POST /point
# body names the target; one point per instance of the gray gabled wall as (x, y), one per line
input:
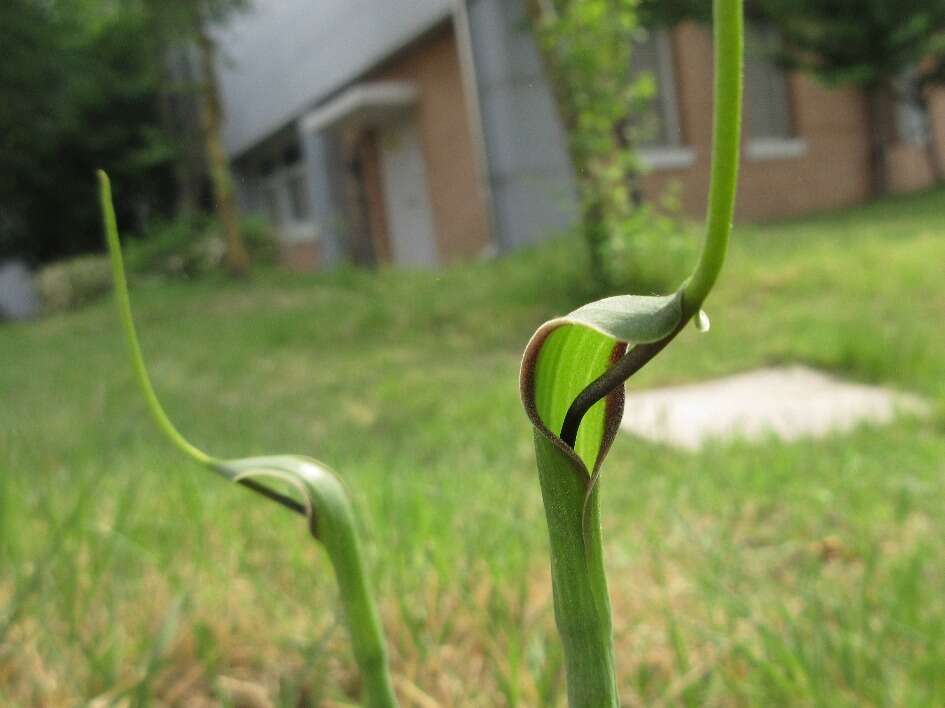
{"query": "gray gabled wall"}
(286, 56)
(533, 190)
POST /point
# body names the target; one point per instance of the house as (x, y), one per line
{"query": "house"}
(423, 132)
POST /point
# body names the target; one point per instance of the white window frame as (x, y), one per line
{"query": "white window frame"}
(673, 155)
(764, 149)
(667, 158)
(911, 122)
(289, 228)
(770, 148)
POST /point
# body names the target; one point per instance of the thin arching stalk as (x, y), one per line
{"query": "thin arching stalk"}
(331, 518)
(726, 136)
(729, 41)
(559, 358)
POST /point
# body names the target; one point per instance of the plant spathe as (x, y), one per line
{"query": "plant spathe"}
(571, 381)
(325, 502)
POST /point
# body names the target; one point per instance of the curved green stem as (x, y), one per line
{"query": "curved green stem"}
(330, 515)
(729, 40)
(579, 581)
(131, 337)
(335, 527)
(160, 417)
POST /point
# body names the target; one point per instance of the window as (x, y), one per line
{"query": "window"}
(660, 126)
(767, 94)
(657, 131)
(282, 193)
(912, 120)
(292, 155)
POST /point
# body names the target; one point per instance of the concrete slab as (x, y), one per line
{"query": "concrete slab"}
(787, 402)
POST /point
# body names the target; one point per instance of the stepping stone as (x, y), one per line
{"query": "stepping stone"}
(787, 402)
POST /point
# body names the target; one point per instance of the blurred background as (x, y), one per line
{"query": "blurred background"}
(343, 220)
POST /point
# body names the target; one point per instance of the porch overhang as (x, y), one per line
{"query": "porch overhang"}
(362, 105)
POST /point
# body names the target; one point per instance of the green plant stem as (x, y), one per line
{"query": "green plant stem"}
(579, 581)
(131, 339)
(729, 41)
(726, 136)
(331, 519)
(123, 302)
(335, 526)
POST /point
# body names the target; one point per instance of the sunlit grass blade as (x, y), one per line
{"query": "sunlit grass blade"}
(325, 502)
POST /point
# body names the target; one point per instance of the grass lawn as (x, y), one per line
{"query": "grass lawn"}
(774, 574)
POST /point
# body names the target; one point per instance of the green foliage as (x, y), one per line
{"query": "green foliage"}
(174, 19)
(667, 13)
(71, 283)
(866, 43)
(590, 44)
(180, 26)
(182, 246)
(30, 82)
(192, 245)
(892, 49)
(648, 250)
(67, 66)
(587, 49)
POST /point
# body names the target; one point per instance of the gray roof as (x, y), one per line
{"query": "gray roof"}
(285, 56)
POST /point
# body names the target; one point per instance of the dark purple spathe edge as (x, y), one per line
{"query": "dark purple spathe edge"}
(614, 402)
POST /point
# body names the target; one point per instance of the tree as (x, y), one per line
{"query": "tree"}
(891, 49)
(585, 47)
(30, 82)
(667, 13)
(78, 93)
(180, 23)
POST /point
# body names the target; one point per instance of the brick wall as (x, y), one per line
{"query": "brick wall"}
(830, 172)
(302, 256)
(460, 217)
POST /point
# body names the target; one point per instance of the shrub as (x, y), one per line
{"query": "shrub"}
(68, 284)
(192, 245)
(648, 249)
(260, 240)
